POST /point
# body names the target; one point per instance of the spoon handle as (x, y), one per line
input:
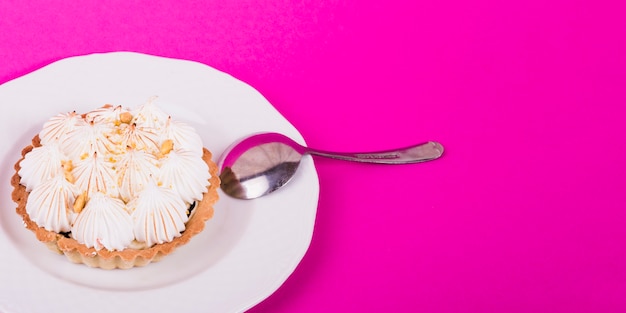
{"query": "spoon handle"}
(419, 153)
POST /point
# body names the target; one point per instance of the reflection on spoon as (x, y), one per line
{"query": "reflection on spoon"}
(260, 164)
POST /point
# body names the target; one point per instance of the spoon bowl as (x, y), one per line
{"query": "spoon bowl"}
(260, 164)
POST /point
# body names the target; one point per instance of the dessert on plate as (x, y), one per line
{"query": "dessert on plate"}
(115, 187)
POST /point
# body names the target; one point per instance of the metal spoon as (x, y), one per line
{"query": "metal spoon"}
(260, 164)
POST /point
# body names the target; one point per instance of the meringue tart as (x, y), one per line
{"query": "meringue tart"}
(115, 187)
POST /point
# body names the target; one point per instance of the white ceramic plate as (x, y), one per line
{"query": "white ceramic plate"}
(247, 250)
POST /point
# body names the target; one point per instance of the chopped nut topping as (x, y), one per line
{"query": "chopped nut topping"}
(67, 171)
(126, 117)
(69, 177)
(67, 165)
(80, 202)
(167, 146)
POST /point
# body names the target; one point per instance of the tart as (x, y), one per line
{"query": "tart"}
(115, 187)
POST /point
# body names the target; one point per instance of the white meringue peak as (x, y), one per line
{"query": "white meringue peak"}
(104, 223)
(58, 126)
(159, 215)
(140, 138)
(185, 173)
(40, 164)
(134, 171)
(184, 136)
(50, 204)
(87, 139)
(149, 115)
(106, 114)
(95, 174)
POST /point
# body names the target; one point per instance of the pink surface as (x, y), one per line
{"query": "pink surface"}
(525, 212)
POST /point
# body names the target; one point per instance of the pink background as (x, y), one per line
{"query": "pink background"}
(525, 212)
